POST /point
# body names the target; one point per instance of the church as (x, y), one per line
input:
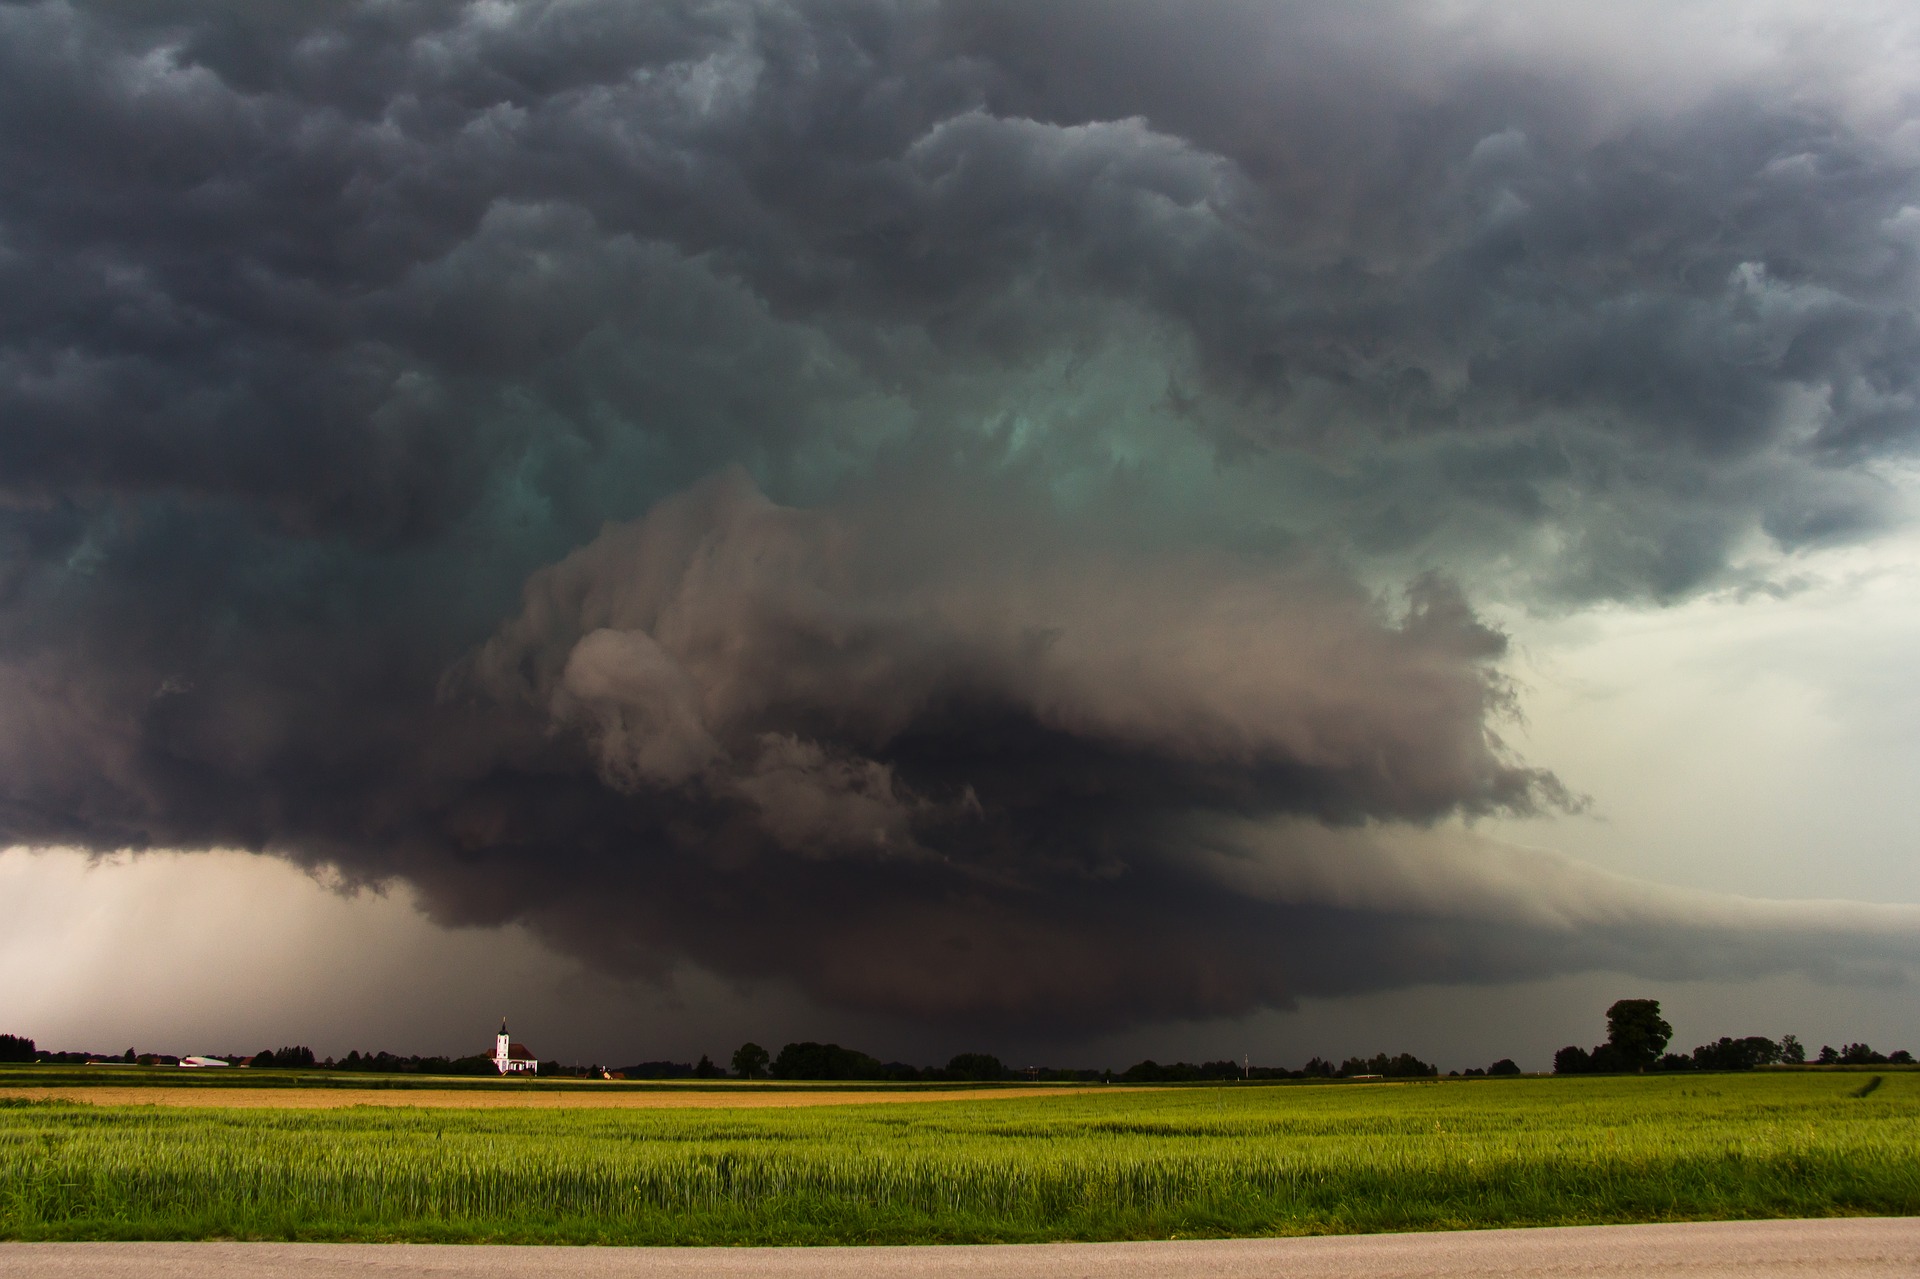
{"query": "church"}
(512, 1058)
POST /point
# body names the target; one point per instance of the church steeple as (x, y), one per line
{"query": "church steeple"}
(511, 1058)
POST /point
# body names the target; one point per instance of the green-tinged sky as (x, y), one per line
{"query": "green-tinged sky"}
(1082, 531)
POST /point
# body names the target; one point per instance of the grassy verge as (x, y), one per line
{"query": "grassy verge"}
(1114, 1165)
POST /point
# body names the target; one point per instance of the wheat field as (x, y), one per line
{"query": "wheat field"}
(1107, 1163)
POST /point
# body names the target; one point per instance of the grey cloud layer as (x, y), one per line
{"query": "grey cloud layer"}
(1088, 359)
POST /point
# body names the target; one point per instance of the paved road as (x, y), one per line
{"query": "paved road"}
(1876, 1247)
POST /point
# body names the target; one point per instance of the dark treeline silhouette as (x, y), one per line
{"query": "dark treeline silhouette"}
(1861, 1055)
(1505, 1066)
(388, 1063)
(18, 1048)
(1403, 1066)
(298, 1057)
(656, 1070)
(702, 1069)
(976, 1066)
(831, 1061)
(1184, 1072)
(1637, 1037)
(809, 1061)
(1381, 1065)
(797, 1062)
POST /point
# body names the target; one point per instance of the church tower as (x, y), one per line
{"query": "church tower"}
(510, 1058)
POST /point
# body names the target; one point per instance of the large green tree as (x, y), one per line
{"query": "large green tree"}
(750, 1061)
(976, 1066)
(1637, 1033)
(825, 1061)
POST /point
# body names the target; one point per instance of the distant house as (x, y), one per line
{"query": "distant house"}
(195, 1062)
(511, 1058)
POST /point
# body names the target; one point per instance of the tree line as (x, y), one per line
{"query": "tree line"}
(1637, 1039)
(832, 1062)
(796, 1061)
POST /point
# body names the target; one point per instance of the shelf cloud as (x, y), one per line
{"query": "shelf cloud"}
(985, 511)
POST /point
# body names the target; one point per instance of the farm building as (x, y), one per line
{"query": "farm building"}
(512, 1058)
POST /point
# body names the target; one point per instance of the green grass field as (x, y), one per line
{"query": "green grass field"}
(1103, 1164)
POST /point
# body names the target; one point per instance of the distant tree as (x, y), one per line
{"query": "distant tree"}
(1318, 1068)
(1901, 1057)
(1736, 1054)
(707, 1070)
(1399, 1066)
(1861, 1055)
(1674, 1061)
(750, 1061)
(1572, 1060)
(294, 1057)
(1636, 1032)
(15, 1048)
(1792, 1051)
(1504, 1066)
(659, 1070)
(976, 1066)
(1179, 1072)
(130, 1058)
(825, 1061)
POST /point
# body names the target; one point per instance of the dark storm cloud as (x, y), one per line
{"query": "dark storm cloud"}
(333, 335)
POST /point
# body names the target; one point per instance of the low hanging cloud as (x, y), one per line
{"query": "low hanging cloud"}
(974, 509)
(841, 673)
